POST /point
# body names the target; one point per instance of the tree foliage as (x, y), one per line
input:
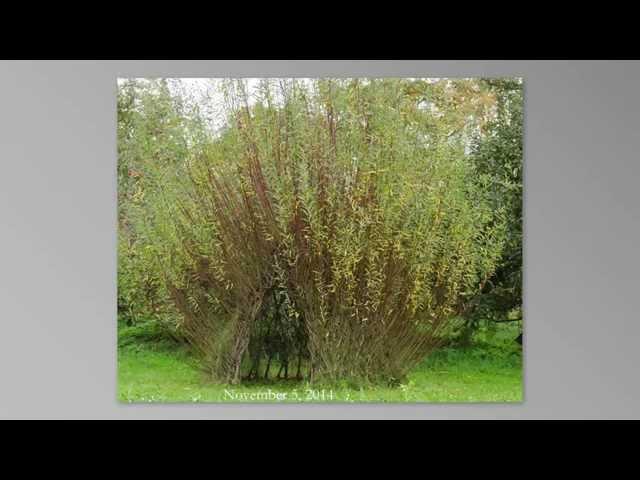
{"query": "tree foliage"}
(499, 156)
(156, 130)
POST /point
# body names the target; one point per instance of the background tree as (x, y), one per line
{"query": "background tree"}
(498, 154)
(156, 131)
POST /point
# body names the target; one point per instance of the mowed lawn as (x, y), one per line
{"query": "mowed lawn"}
(156, 370)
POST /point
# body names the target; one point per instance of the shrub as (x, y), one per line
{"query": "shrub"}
(329, 222)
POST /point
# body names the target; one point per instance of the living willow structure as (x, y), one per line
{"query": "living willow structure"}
(332, 230)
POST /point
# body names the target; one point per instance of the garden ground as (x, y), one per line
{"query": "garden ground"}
(154, 369)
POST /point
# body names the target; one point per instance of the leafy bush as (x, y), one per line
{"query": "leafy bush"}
(330, 222)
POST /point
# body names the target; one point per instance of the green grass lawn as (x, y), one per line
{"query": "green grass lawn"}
(151, 369)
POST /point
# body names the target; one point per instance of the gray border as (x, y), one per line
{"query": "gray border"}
(57, 248)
